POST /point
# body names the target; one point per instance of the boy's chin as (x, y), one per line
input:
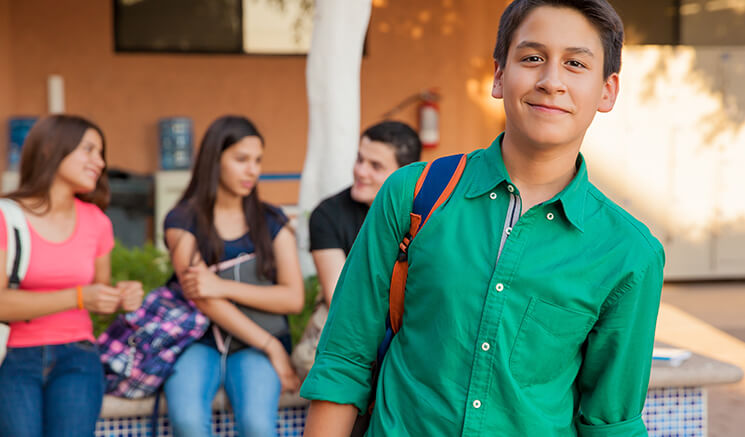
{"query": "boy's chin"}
(549, 138)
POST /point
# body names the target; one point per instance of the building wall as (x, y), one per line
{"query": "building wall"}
(6, 105)
(411, 46)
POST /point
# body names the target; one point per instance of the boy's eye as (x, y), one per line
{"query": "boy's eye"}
(576, 64)
(533, 58)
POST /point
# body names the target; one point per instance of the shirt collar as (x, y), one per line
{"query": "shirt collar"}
(489, 171)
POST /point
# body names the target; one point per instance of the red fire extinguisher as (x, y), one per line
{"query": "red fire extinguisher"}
(429, 118)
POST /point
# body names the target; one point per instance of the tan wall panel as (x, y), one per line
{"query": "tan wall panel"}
(280, 192)
(420, 44)
(127, 93)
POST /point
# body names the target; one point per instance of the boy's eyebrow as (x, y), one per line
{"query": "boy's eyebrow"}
(580, 50)
(538, 46)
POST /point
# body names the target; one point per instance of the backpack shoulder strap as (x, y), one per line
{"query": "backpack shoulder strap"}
(434, 187)
(18, 249)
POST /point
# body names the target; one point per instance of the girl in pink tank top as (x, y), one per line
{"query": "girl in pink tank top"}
(51, 378)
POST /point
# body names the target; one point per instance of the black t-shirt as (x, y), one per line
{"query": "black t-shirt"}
(336, 221)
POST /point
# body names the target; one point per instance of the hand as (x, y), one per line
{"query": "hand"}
(131, 294)
(281, 363)
(100, 298)
(199, 282)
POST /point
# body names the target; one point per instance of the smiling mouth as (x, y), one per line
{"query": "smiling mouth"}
(548, 109)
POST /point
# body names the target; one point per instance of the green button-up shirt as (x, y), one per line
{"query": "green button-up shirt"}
(551, 337)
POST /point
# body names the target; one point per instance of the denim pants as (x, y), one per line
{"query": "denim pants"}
(50, 391)
(250, 381)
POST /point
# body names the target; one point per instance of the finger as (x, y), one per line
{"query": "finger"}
(127, 287)
(132, 291)
(109, 301)
(189, 287)
(109, 291)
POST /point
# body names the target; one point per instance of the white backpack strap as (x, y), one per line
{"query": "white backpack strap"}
(18, 249)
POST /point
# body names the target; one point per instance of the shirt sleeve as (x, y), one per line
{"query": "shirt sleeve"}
(615, 372)
(275, 219)
(356, 321)
(323, 229)
(179, 218)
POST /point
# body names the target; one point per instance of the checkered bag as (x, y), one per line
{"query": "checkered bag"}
(139, 349)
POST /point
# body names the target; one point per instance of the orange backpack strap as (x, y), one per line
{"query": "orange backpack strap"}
(434, 187)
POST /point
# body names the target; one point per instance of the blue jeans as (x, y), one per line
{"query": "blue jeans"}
(52, 390)
(250, 382)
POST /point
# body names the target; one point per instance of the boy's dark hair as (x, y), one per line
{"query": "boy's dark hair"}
(404, 140)
(599, 12)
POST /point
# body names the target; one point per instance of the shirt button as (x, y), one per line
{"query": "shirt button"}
(510, 188)
(485, 346)
(550, 216)
(493, 196)
(500, 287)
(477, 404)
(508, 230)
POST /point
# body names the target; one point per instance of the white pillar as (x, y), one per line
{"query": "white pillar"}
(333, 82)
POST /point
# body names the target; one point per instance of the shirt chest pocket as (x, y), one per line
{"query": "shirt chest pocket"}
(548, 341)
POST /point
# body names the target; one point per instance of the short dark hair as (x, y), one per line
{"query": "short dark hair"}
(599, 12)
(404, 140)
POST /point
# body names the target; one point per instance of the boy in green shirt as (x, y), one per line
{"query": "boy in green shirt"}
(531, 299)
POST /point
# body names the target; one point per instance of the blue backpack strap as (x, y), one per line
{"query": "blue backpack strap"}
(434, 187)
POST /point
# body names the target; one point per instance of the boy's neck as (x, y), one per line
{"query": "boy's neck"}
(539, 172)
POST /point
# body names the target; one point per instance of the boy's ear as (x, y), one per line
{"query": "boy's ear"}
(497, 90)
(610, 93)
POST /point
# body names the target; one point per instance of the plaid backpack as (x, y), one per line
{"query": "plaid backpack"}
(139, 349)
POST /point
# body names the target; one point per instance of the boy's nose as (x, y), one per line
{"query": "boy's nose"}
(550, 81)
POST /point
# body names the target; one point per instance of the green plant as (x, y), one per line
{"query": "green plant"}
(298, 322)
(146, 264)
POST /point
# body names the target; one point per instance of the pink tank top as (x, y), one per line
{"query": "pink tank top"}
(56, 266)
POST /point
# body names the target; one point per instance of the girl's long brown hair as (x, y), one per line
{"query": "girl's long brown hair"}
(201, 194)
(48, 142)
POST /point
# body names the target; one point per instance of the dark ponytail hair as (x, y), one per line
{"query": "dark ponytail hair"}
(199, 197)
